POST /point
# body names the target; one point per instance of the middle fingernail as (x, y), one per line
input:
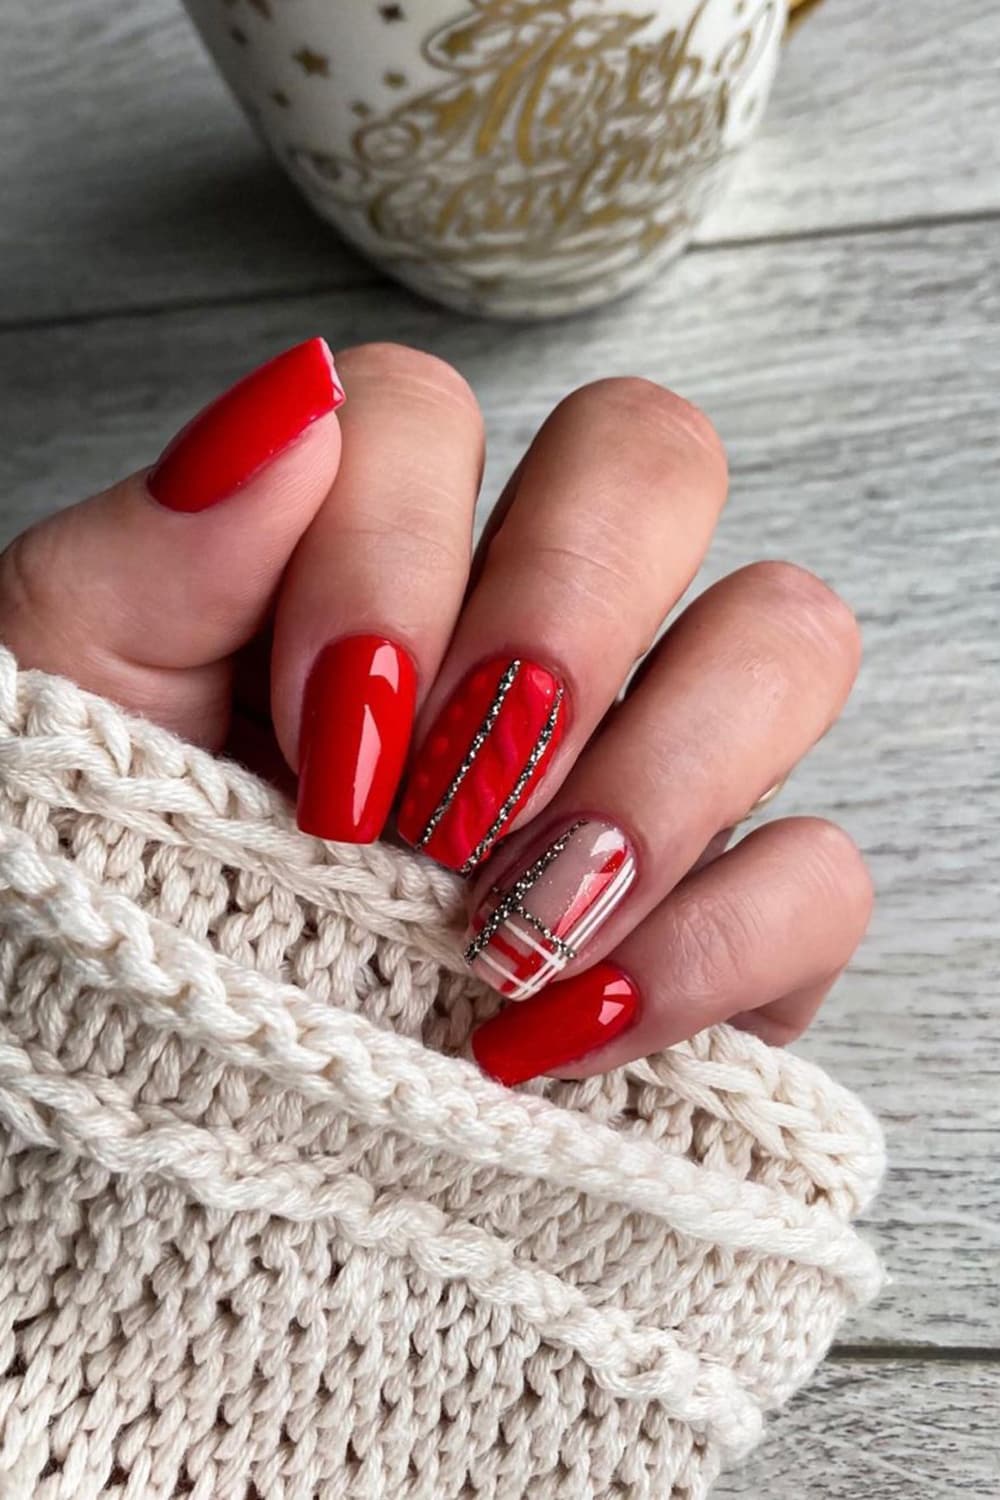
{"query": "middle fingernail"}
(543, 913)
(482, 758)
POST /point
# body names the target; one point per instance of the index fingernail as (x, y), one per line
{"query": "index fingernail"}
(228, 441)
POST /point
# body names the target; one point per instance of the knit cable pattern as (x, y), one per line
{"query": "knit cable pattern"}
(266, 1233)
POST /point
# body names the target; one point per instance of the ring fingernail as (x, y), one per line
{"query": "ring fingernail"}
(569, 1021)
(483, 757)
(541, 916)
(356, 720)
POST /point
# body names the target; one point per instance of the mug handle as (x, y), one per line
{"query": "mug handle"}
(797, 11)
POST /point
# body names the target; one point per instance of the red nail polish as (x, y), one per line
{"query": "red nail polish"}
(483, 757)
(229, 441)
(356, 721)
(557, 1027)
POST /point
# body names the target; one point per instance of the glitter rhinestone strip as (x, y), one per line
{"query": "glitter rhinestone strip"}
(544, 919)
(478, 741)
(517, 791)
(512, 900)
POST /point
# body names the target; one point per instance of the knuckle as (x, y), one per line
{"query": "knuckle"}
(782, 1031)
(28, 570)
(639, 406)
(583, 582)
(421, 373)
(798, 596)
(838, 867)
(44, 599)
(715, 936)
(425, 553)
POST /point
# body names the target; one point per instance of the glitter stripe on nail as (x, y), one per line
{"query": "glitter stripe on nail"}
(543, 921)
(518, 988)
(517, 791)
(511, 901)
(547, 933)
(478, 741)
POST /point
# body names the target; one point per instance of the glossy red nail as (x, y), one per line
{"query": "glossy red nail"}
(229, 441)
(483, 757)
(562, 1024)
(356, 720)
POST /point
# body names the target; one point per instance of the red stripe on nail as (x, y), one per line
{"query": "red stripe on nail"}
(545, 911)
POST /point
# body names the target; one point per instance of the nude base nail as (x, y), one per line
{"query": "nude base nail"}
(539, 919)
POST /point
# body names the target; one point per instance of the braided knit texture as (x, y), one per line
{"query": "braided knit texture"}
(266, 1233)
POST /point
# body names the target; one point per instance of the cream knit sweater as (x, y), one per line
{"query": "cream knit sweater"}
(267, 1234)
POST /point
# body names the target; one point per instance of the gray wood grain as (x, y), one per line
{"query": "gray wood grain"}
(855, 385)
(898, 1431)
(840, 320)
(881, 113)
(131, 180)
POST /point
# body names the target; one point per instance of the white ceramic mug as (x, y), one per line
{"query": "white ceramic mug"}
(522, 158)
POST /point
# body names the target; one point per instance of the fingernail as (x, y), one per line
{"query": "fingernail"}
(541, 917)
(558, 1027)
(242, 430)
(486, 752)
(357, 716)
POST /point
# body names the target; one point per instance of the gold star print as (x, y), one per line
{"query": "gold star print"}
(395, 80)
(361, 109)
(280, 98)
(238, 35)
(312, 63)
(391, 12)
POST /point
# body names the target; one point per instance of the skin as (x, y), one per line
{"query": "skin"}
(597, 536)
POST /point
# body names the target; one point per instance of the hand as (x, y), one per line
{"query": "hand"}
(340, 545)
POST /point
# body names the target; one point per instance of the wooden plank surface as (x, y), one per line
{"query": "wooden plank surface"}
(839, 320)
(131, 180)
(859, 411)
(896, 1431)
(883, 112)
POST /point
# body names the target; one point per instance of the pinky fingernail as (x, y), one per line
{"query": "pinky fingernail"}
(559, 1026)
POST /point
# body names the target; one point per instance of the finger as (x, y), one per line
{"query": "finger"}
(784, 1020)
(142, 593)
(370, 598)
(745, 682)
(774, 917)
(613, 509)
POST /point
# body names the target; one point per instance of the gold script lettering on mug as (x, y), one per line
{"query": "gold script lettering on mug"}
(519, 157)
